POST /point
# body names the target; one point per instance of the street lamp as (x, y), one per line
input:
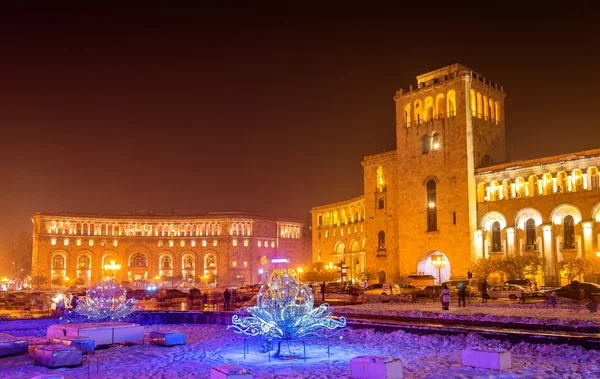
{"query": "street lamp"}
(113, 266)
(439, 262)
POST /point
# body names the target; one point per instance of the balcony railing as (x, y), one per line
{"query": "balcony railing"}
(530, 247)
(569, 246)
(496, 249)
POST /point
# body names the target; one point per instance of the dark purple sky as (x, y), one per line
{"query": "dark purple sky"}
(269, 108)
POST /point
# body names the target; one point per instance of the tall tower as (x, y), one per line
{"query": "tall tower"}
(448, 126)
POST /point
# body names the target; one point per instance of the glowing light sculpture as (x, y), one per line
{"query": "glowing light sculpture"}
(284, 311)
(106, 301)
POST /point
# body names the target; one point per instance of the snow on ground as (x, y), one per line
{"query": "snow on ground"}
(567, 312)
(427, 356)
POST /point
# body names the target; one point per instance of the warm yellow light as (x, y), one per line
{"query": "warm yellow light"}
(436, 146)
(113, 266)
(67, 278)
(431, 205)
(598, 254)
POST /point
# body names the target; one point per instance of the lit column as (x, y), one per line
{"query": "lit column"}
(510, 240)
(479, 243)
(587, 240)
(548, 253)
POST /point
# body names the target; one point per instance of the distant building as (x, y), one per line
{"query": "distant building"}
(217, 248)
(444, 195)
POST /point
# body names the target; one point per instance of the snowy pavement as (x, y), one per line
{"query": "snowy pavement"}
(423, 356)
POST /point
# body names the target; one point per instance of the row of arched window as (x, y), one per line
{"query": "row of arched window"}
(137, 260)
(343, 217)
(429, 109)
(539, 186)
(116, 229)
(485, 107)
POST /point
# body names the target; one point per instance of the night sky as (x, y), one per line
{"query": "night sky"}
(264, 108)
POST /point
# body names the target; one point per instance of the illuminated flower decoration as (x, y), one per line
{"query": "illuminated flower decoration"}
(284, 311)
(106, 301)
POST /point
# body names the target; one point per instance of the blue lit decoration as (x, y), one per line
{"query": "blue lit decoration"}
(284, 311)
(105, 301)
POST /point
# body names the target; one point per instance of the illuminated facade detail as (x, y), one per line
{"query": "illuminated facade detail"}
(461, 204)
(152, 246)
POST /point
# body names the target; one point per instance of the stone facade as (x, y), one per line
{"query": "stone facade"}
(437, 196)
(218, 248)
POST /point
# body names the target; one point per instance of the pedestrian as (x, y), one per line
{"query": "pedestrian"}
(205, 298)
(60, 306)
(226, 298)
(190, 298)
(553, 299)
(323, 291)
(445, 298)
(462, 294)
(484, 288)
(74, 299)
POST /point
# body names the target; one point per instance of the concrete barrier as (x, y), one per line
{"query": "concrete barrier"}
(375, 367)
(230, 372)
(481, 358)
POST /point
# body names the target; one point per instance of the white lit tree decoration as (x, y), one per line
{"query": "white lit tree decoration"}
(284, 311)
(106, 301)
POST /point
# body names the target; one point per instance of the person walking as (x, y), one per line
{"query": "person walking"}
(445, 298)
(226, 298)
(74, 300)
(462, 294)
(484, 288)
(553, 300)
(323, 291)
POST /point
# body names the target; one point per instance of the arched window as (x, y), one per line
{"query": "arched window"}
(138, 260)
(431, 206)
(83, 262)
(381, 239)
(569, 232)
(166, 263)
(530, 233)
(58, 262)
(189, 262)
(319, 256)
(382, 277)
(407, 115)
(496, 240)
(425, 144)
(381, 203)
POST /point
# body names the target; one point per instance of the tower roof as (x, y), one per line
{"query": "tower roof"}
(441, 72)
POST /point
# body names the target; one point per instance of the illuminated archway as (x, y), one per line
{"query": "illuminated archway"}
(426, 266)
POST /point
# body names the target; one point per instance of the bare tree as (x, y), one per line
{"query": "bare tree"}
(16, 251)
(482, 268)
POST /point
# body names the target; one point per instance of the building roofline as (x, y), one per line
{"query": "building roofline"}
(339, 203)
(538, 161)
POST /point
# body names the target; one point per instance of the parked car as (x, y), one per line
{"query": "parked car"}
(507, 291)
(349, 290)
(525, 283)
(383, 289)
(471, 288)
(573, 290)
(139, 294)
(429, 291)
(333, 287)
(409, 289)
(169, 294)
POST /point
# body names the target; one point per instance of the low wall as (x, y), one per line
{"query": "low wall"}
(17, 327)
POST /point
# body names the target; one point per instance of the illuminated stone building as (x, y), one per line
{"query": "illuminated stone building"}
(222, 248)
(444, 193)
